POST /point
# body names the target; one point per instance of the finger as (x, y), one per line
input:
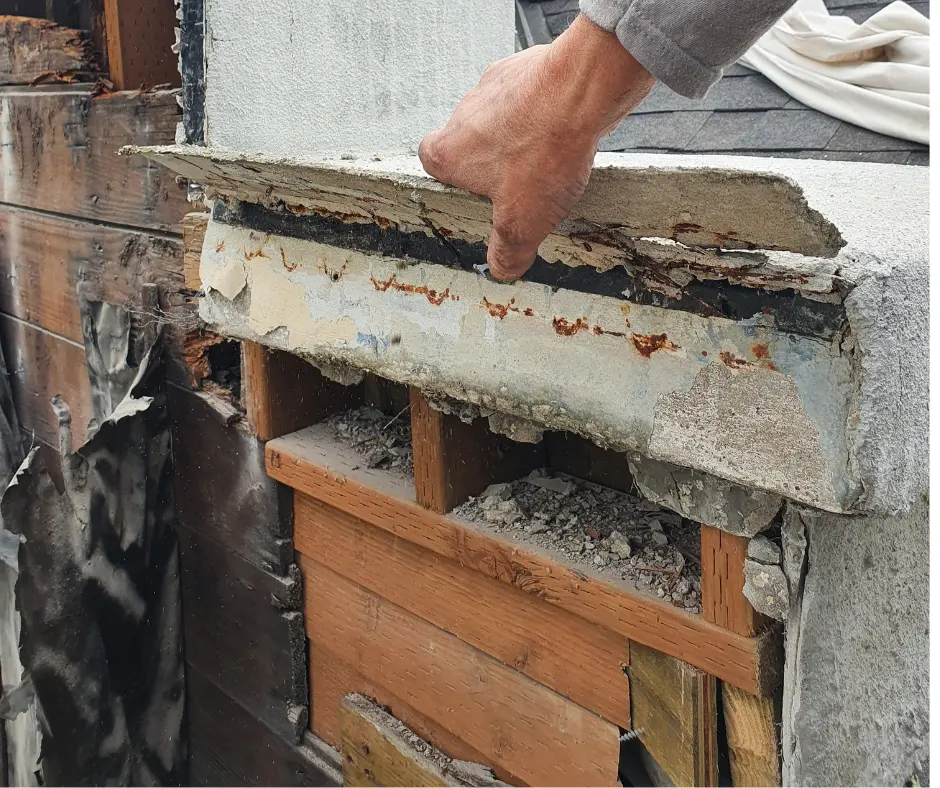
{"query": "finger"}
(508, 260)
(431, 154)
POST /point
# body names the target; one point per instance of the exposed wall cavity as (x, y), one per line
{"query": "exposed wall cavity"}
(281, 79)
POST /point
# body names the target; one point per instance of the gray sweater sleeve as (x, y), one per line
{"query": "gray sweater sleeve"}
(686, 43)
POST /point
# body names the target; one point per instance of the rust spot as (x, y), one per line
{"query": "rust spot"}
(284, 262)
(253, 255)
(343, 217)
(382, 222)
(687, 227)
(445, 232)
(705, 354)
(625, 308)
(433, 296)
(499, 310)
(760, 351)
(731, 360)
(567, 329)
(220, 246)
(528, 311)
(647, 344)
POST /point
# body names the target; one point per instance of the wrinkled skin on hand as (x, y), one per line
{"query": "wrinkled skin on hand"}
(526, 136)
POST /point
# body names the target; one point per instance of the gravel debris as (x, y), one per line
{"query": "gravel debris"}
(616, 535)
(384, 441)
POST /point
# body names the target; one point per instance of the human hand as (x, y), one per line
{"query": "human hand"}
(526, 136)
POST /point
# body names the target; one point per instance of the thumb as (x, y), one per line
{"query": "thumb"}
(431, 155)
(509, 259)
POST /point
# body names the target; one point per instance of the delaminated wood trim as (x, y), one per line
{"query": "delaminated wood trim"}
(194, 233)
(33, 48)
(62, 155)
(310, 461)
(567, 654)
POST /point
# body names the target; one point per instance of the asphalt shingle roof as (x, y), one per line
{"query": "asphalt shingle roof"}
(744, 113)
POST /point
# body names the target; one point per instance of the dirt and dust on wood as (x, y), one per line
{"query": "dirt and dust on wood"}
(613, 534)
(384, 441)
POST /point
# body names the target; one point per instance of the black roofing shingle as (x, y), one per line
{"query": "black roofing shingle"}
(670, 130)
(745, 113)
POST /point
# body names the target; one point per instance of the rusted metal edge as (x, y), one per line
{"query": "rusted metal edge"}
(700, 206)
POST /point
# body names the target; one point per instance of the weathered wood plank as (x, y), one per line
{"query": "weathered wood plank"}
(311, 461)
(140, 37)
(331, 678)
(750, 721)
(242, 627)
(230, 746)
(220, 487)
(42, 365)
(753, 737)
(283, 393)
(454, 461)
(723, 600)
(31, 48)
(194, 233)
(378, 750)
(537, 735)
(567, 654)
(62, 157)
(674, 705)
(375, 751)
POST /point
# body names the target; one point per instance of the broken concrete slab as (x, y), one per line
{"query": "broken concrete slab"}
(763, 551)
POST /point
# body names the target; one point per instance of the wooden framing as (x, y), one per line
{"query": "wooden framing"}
(310, 462)
(750, 721)
(454, 460)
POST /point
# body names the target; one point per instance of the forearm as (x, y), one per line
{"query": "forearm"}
(686, 43)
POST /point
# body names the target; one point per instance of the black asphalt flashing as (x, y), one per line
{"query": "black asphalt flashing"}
(793, 312)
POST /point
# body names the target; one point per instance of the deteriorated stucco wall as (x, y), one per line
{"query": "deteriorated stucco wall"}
(346, 77)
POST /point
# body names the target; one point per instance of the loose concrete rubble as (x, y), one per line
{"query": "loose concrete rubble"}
(609, 533)
(383, 441)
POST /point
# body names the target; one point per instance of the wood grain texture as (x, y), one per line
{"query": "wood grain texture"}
(282, 393)
(42, 365)
(242, 627)
(311, 461)
(331, 678)
(140, 39)
(723, 600)
(376, 752)
(753, 737)
(219, 485)
(537, 735)
(31, 48)
(750, 721)
(454, 461)
(567, 654)
(43, 258)
(230, 746)
(579, 457)
(675, 707)
(62, 155)
(194, 233)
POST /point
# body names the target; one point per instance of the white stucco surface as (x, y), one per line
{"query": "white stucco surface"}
(296, 78)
